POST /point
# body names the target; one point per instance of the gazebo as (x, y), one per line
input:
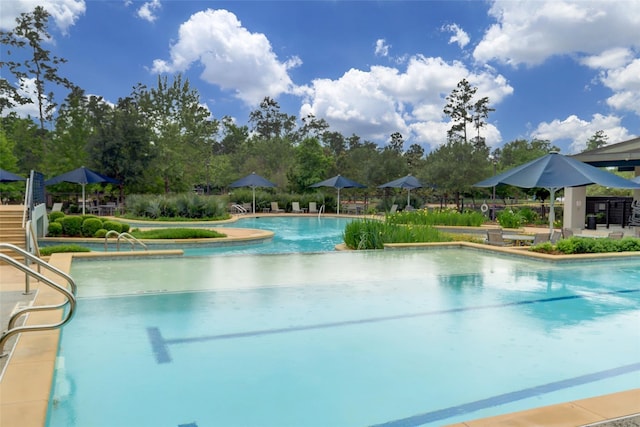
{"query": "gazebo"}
(625, 156)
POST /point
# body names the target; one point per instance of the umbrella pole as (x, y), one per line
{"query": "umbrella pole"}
(254, 199)
(552, 214)
(338, 207)
(83, 203)
(408, 196)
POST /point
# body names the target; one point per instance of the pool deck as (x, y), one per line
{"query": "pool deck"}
(26, 375)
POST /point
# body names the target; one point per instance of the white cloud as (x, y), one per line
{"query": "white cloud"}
(625, 82)
(529, 32)
(147, 10)
(611, 58)
(578, 131)
(459, 35)
(383, 100)
(382, 48)
(64, 13)
(232, 57)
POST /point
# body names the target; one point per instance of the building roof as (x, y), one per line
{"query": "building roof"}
(625, 155)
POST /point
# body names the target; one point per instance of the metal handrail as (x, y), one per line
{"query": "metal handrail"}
(320, 210)
(126, 236)
(69, 294)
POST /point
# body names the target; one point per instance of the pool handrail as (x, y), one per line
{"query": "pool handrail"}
(321, 210)
(69, 294)
(126, 236)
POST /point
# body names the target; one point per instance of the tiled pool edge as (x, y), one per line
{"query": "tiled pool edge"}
(26, 386)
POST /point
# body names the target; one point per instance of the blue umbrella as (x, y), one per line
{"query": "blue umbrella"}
(553, 172)
(6, 176)
(338, 182)
(82, 176)
(407, 182)
(253, 180)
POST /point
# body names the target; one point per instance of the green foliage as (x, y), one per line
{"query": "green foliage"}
(112, 225)
(450, 217)
(373, 234)
(100, 233)
(510, 219)
(183, 206)
(529, 216)
(55, 229)
(90, 226)
(177, 233)
(48, 250)
(587, 245)
(71, 225)
(53, 216)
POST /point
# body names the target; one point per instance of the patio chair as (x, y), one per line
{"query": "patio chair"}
(295, 207)
(540, 238)
(275, 208)
(615, 235)
(313, 207)
(57, 207)
(494, 238)
(555, 236)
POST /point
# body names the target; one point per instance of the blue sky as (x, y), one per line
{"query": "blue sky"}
(557, 70)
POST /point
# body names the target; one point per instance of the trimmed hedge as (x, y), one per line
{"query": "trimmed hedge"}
(90, 226)
(177, 233)
(48, 250)
(587, 245)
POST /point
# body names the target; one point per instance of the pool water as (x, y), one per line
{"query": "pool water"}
(292, 234)
(342, 339)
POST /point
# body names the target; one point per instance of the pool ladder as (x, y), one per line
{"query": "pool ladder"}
(124, 236)
(69, 294)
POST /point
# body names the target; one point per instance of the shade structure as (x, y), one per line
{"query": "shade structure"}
(6, 176)
(82, 176)
(252, 180)
(553, 172)
(407, 182)
(339, 182)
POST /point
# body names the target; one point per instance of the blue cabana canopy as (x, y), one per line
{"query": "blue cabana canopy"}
(407, 182)
(553, 172)
(82, 176)
(6, 176)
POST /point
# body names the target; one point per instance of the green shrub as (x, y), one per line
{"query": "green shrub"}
(100, 233)
(510, 219)
(90, 226)
(71, 226)
(112, 225)
(529, 216)
(450, 217)
(55, 215)
(587, 245)
(48, 250)
(125, 227)
(55, 229)
(373, 234)
(177, 233)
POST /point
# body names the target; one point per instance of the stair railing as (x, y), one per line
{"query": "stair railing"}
(69, 294)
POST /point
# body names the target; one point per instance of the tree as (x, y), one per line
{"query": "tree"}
(599, 139)
(312, 127)
(414, 156)
(184, 133)
(28, 139)
(310, 166)
(269, 122)
(459, 108)
(396, 142)
(31, 32)
(71, 135)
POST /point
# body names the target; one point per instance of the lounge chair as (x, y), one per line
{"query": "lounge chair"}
(615, 235)
(275, 208)
(57, 207)
(295, 207)
(494, 238)
(313, 207)
(555, 236)
(540, 238)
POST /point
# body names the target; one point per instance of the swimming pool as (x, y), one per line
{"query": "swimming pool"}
(292, 234)
(342, 339)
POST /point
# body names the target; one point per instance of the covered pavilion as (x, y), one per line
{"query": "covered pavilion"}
(625, 156)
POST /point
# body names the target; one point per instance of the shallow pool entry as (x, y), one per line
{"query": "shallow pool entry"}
(343, 339)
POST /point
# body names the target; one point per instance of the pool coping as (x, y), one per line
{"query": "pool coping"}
(26, 382)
